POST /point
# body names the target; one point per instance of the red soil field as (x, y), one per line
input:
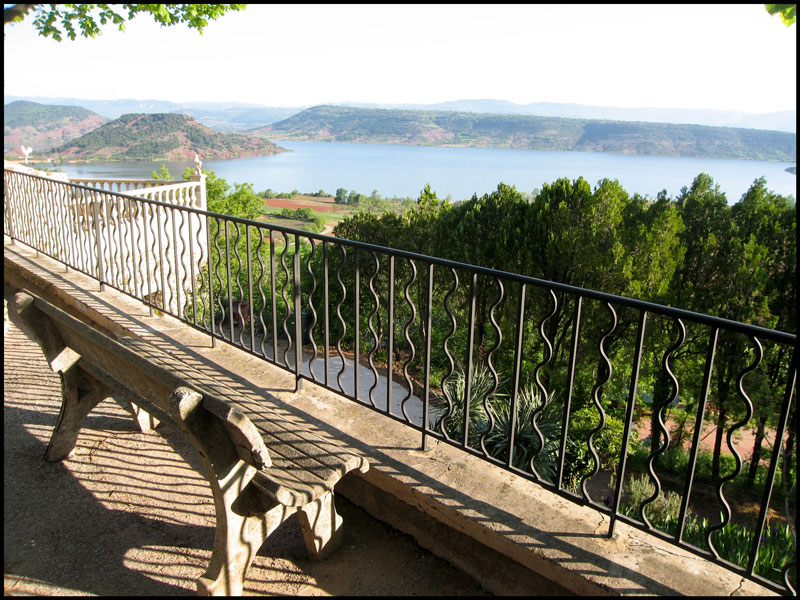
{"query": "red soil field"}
(293, 204)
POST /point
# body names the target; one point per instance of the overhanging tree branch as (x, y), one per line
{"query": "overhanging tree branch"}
(56, 20)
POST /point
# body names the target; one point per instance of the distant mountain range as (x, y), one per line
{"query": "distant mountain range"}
(220, 116)
(42, 126)
(778, 121)
(235, 116)
(157, 136)
(160, 136)
(447, 128)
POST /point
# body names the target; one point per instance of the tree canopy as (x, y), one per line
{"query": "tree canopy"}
(57, 20)
(788, 12)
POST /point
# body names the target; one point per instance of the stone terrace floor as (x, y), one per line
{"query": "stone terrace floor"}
(104, 522)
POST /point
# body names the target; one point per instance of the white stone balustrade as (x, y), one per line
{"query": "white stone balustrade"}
(147, 250)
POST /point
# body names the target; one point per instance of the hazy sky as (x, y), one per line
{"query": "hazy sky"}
(731, 57)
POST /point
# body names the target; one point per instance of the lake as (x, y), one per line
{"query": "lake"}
(396, 170)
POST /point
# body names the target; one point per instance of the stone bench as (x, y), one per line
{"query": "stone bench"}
(262, 466)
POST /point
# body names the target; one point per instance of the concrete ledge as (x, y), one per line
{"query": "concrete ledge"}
(510, 534)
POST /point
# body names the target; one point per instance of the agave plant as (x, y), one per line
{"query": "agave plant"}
(491, 421)
(527, 443)
(455, 388)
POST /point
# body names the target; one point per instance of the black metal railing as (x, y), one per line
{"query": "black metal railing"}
(550, 381)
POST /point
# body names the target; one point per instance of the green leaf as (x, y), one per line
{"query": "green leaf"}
(788, 12)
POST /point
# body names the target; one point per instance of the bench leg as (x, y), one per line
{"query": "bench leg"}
(144, 420)
(80, 394)
(238, 537)
(321, 526)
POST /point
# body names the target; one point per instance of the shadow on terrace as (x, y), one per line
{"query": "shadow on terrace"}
(559, 392)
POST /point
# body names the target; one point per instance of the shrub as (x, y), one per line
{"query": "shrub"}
(607, 442)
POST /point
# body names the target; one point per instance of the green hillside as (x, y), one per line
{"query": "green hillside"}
(161, 136)
(446, 128)
(44, 126)
(21, 113)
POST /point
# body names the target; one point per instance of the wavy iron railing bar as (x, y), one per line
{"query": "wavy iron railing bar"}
(407, 332)
(356, 322)
(658, 416)
(698, 426)
(88, 230)
(285, 322)
(341, 318)
(250, 319)
(729, 438)
(776, 456)
(576, 323)
(470, 356)
(262, 268)
(493, 370)
(512, 422)
(543, 394)
(626, 433)
(602, 379)
(238, 314)
(376, 336)
(313, 311)
(450, 360)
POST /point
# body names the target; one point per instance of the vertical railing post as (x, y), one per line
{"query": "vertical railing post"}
(357, 324)
(390, 341)
(713, 339)
(326, 312)
(298, 321)
(637, 361)
(428, 336)
(512, 425)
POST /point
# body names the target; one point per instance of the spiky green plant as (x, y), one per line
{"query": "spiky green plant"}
(455, 387)
(527, 444)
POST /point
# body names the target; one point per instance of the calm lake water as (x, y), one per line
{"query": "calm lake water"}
(396, 170)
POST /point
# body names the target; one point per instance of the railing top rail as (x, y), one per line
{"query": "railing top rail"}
(119, 180)
(166, 187)
(642, 305)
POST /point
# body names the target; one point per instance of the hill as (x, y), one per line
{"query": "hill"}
(239, 116)
(785, 120)
(449, 128)
(220, 116)
(43, 126)
(160, 137)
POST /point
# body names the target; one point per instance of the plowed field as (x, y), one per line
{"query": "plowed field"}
(325, 204)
